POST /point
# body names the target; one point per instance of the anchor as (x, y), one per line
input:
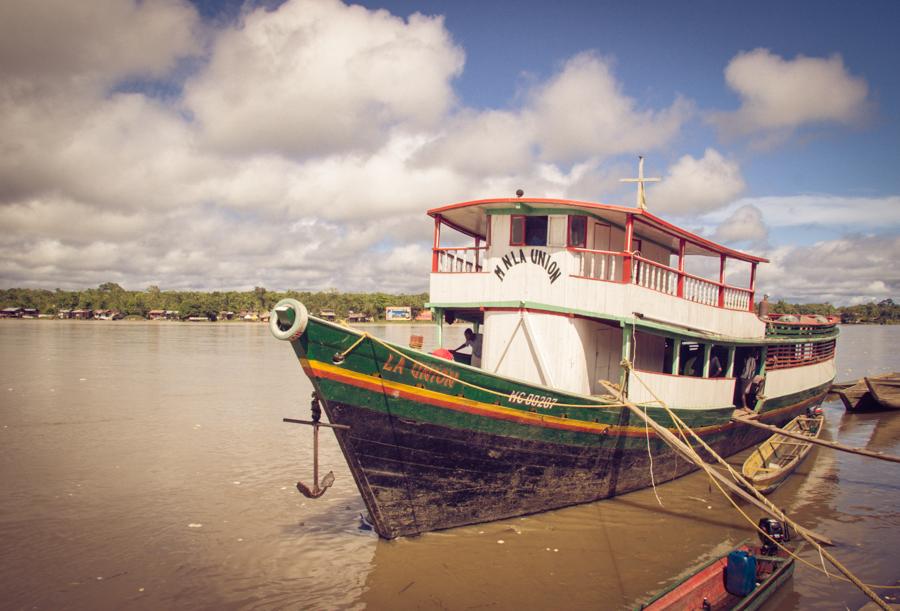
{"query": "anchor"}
(318, 488)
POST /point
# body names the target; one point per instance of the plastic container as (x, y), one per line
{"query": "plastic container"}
(740, 574)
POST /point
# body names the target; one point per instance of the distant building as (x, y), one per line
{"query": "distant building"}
(358, 317)
(30, 313)
(398, 313)
(64, 314)
(156, 314)
(226, 315)
(108, 315)
(424, 315)
(327, 314)
(11, 312)
(83, 314)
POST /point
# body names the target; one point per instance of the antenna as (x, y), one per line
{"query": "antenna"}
(640, 180)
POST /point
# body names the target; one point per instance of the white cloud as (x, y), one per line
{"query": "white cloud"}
(778, 94)
(744, 225)
(583, 112)
(697, 185)
(317, 76)
(831, 211)
(61, 45)
(857, 268)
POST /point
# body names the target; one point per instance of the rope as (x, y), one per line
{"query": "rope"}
(650, 455)
(681, 426)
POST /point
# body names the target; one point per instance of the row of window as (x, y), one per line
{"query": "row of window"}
(796, 355)
(532, 231)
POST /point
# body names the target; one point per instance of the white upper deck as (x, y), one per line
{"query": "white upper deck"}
(591, 260)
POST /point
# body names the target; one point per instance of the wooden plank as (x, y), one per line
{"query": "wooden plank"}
(821, 442)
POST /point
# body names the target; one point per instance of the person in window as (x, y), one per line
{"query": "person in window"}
(474, 341)
(715, 367)
(746, 380)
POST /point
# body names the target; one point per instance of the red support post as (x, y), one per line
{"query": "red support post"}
(437, 243)
(752, 285)
(626, 260)
(721, 280)
(681, 245)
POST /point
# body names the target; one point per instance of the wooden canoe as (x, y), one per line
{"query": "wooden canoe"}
(708, 584)
(777, 457)
(885, 389)
(857, 398)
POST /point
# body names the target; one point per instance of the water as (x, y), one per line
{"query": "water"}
(145, 466)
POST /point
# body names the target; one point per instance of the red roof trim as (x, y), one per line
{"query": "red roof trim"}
(648, 218)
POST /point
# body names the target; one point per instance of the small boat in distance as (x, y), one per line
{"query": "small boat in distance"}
(771, 463)
(885, 389)
(742, 579)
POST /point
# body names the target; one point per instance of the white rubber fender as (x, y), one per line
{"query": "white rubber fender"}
(288, 319)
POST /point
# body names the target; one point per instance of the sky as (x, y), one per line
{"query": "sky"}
(222, 145)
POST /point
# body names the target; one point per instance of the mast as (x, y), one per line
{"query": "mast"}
(640, 180)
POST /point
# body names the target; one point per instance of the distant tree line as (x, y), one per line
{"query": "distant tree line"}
(885, 312)
(111, 296)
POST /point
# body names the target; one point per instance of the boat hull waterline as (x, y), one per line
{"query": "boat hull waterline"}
(430, 451)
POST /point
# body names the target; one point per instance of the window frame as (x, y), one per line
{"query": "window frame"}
(512, 222)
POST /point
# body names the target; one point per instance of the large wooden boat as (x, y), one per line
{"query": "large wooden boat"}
(885, 389)
(777, 457)
(559, 294)
(706, 588)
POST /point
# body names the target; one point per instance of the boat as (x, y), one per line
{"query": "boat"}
(723, 583)
(776, 458)
(858, 397)
(560, 296)
(885, 389)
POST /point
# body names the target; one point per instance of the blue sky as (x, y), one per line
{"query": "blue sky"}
(217, 145)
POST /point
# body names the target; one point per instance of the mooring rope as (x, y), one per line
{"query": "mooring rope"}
(681, 426)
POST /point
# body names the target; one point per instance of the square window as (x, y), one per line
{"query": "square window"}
(517, 231)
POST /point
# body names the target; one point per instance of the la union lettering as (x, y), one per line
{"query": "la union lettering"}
(538, 257)
(394, 365)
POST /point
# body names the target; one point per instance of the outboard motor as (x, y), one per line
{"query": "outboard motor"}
(776, 532)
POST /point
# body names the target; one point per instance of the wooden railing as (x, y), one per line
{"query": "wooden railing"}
(653, 275)
(458, 260)
(599, 264)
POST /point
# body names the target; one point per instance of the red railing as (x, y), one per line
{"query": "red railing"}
(458, 260)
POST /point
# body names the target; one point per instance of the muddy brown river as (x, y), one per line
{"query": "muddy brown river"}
(146, 466)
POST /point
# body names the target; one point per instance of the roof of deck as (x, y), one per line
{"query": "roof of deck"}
(471, 218)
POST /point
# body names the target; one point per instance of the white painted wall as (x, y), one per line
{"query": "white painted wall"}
(782, 382)
(680, 391)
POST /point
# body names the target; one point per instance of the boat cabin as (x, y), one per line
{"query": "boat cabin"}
(561, 291)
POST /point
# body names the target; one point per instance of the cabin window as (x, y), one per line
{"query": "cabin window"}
(691, 359)
(577, 232)
(528, 231)
(718, 362)
(637, 245)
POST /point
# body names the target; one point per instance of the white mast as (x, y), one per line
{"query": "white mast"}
(640, 180)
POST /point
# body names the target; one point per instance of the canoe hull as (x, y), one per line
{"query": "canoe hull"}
(707, 584)
(785, 452)
(885, 390)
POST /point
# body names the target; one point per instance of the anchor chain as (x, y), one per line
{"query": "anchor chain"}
(318, 488)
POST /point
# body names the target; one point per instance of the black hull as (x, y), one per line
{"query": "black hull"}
(417, 477)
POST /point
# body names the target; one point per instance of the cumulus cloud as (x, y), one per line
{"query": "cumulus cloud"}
(744, 225)
(62, 45)
(318, 76)
(850, 269)
(778, 94)
(697, 185)
(583, 112)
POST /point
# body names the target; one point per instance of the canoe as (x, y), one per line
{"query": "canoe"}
(706, 587)
(777, 457)
(857, 398)
(885, 389)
